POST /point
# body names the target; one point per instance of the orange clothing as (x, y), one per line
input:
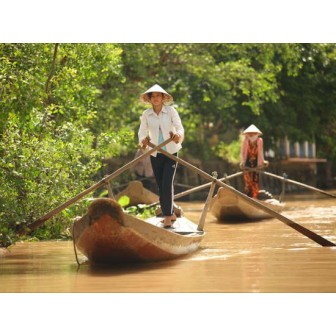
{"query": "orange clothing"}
(252, 156)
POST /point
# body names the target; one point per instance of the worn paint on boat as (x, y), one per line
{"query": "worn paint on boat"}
(106, 234)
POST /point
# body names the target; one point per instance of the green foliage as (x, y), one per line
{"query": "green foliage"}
(229, 152)
(124, 201)
(142, 211)
(215, 86)
(48, 150)
(39, 174)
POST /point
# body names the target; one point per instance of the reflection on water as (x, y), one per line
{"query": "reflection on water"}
(264, 256)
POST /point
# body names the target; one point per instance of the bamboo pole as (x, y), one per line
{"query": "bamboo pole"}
(310, 234)
(285, 179)
(299, 184)
(201, 187)
(109, 189)
(207, 203)
(107, 178)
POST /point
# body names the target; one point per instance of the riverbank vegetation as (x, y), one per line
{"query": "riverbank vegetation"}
(68, 108)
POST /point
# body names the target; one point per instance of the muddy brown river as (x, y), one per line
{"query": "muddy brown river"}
(266, 256)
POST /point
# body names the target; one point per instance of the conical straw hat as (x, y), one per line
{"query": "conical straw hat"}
(156, 88)
(252, 129)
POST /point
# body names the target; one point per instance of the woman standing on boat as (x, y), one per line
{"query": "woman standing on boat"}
(252, 156)
(156, 125)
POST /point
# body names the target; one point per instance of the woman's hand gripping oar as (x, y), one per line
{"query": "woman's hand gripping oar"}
(310, 234)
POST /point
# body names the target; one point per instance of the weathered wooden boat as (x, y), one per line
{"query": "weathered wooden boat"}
(226, 205)
(106, 234)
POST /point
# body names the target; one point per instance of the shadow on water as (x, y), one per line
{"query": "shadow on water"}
(237, 221)
(126, 268)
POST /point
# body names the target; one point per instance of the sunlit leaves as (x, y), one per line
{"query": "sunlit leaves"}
(47, 148)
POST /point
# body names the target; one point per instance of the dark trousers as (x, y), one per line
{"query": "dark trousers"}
(164, 170)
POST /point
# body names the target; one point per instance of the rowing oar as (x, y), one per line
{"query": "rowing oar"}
(105, 180)
(300, 184)
(285, 179)
(310, 234)
(201, 187)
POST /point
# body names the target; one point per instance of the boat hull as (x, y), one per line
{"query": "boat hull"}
(106, 239)
(226, 205)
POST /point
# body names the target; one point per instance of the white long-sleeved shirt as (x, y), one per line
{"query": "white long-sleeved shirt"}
(168, 120)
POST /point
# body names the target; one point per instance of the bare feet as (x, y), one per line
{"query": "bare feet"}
(168, 221)
(173, 218)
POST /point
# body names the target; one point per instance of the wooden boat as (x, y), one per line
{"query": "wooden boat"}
(138, 194)
(106, 234)
(226, 205)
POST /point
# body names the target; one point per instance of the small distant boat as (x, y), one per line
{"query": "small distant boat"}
(106, 234)
(138, 194)
(226, 205)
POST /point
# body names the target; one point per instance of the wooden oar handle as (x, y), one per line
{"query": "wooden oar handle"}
(145, 146)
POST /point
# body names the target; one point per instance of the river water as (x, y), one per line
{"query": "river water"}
(266, 256)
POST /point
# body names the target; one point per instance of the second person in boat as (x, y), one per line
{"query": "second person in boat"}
(252, 157)
(157, 123)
